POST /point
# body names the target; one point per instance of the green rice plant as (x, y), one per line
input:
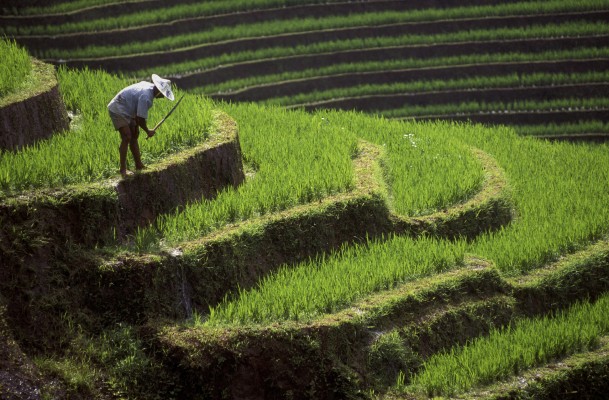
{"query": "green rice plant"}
(590, 103)
(215, 7)
(508, 351)
(559, 189)
(371, 66)
(78, 376)
(298, 158)
(89, 151)
(559, 192)
(563, 129)
(152, 16)
(61, 8)
(425, 170)
(502, 81)
(572, 29)
(14, 68)
(301, 158)
(114, 357)
(328, 284)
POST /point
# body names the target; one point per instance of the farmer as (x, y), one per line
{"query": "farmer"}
(129, 112)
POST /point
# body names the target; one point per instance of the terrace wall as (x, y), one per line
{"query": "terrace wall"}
(237, 257)
(45, 266)
(431, 315)
(24, 121)
(97, 213)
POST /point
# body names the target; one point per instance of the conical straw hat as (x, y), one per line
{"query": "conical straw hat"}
(164, 86)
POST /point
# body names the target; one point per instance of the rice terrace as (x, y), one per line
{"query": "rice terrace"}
(374, 199)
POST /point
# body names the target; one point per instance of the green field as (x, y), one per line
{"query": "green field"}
(394, 224)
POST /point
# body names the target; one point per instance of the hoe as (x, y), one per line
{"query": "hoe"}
(166, 116)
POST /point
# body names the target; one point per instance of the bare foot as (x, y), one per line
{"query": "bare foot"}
(141, 167)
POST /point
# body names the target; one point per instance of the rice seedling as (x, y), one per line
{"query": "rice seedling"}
(217, 7)
(89, 152)
(559, 209)
(502, 81)
(425, 170)
(152, 16)
(328, 284)
(505, 352)
(15, 67)
(298, 158)
(563, 129)
(559, 191)
(484, 107)
(63, 7)
(370, 66)
(572, 29)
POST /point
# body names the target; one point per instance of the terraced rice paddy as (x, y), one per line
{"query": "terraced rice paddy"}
(15, 70)
(380, 246)
(309, 55)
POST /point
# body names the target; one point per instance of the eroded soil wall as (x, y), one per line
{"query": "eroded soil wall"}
(38, 117)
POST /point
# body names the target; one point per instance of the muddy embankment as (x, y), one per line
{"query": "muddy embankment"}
(505, 95)
(231, 18)
(24, 121)
(110, 210)
(313, 61)
(321, 83)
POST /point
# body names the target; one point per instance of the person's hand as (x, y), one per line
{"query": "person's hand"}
(150, 133)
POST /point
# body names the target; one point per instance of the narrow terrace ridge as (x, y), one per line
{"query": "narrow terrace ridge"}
(582, 375)
(93, 213)
(343, 219)
(238, 256)
(342, 338)
(35, 112)
(89, 13)
(247, 16)
(312, 61)
(502, 117)
(382, 102)
(132, 62)
(325, 82)
(190, 25)
(194, 24)
(465, 302)
(593, 137)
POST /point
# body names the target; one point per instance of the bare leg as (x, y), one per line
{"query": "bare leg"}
(135, 147)
(125, 140)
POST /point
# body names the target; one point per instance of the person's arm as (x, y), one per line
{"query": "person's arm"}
(142, 124)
